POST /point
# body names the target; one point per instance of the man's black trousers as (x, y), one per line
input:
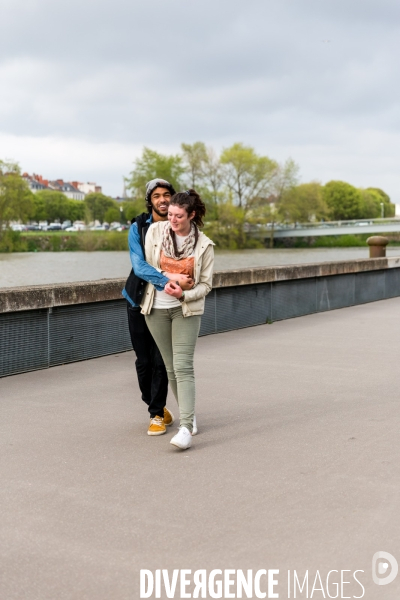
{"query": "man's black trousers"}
(150, 368)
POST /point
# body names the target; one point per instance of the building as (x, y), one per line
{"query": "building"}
(35, 185)
(67, 188)
(72, 189)
(88, 188)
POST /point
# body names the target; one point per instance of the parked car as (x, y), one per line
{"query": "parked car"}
(79, 226)
(114, 226)
(99, 228)
(54, 227)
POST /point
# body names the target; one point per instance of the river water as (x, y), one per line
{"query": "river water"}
(28, 268)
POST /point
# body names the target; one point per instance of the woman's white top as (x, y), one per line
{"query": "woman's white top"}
(162, 299)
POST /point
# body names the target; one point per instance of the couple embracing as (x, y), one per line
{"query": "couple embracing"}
(172, 267)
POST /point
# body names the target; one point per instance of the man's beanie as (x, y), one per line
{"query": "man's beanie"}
(153, 184)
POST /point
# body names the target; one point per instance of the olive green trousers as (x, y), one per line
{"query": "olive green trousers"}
(176, 337)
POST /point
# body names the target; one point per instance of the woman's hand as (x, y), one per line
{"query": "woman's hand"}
(172, 289)
(185, 281)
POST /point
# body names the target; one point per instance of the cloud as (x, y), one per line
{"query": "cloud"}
(309, 79)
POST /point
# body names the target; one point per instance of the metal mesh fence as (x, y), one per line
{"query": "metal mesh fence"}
(370, 286)
(392, 283)
(37, 339)
(23, 341)
(335, 292)
(87, 330)
(293, 298)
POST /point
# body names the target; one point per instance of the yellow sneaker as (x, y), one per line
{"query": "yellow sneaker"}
(168, 417)
(157, 426)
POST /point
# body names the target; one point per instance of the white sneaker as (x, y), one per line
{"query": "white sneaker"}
(194, 430)
(183, 439)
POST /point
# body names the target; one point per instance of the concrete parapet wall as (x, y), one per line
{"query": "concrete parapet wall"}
(49, 325)
(66, 294)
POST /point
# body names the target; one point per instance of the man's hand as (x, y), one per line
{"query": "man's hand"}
(185, 281)
(172, 289)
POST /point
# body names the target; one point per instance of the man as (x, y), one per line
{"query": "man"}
(151, 373)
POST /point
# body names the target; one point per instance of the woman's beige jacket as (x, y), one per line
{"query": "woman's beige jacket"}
(203, 270)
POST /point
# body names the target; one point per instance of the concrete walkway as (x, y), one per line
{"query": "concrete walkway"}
(296, 464)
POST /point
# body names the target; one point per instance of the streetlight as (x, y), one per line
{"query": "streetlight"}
(382, 210)
(120, 210)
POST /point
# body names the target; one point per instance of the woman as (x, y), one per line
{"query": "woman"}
(173, 316)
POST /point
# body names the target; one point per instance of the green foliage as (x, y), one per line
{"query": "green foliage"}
(303, 203)
(50, 205)
(194, 156)
(379, 195)
(58, 241)
(11, 241)
(16, 200)
(91, 241)
(228, 231)
(152, 164)
(328, 241)
(286, 178)
(134, 208)
(370, 204)
(212, 174)
(97, 205)
(76, 210)
(344, 201)
(246, 174)
(240, 189)
(112, 214)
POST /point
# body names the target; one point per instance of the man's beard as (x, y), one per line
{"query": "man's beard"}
(159, 213)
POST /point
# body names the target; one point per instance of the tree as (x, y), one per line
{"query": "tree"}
(247, 174)
(97, 205)
(39, 208)
(228, 230)
(343, 200)
(286, 178)
(133, 208)
(303, 203)
(389, 208)
(76, 210)
(212, 174)
(112, 214)
(370, 204)
(50, 205)
(194, 156)
(15, 196)
(151, 165)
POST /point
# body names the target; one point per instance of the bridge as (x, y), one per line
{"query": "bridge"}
(279, 230)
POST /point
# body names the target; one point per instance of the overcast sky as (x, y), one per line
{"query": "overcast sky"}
(84, 85)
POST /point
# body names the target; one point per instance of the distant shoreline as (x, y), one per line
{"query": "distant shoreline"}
(111, 241)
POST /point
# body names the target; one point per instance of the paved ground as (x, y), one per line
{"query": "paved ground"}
(296, 465)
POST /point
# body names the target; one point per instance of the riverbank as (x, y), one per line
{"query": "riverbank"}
(92, 241)
(62, 241)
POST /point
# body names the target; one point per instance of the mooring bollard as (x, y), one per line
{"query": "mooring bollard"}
(377, 246)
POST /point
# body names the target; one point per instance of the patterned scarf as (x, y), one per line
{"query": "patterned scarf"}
(169, 246)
